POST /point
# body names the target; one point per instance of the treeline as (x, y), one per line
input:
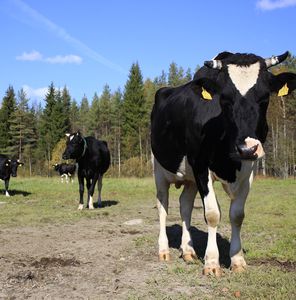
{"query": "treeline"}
(36, 134)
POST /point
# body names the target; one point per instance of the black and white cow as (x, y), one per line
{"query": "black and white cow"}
(8, 167)
(65, 170)
(213, 128)
(93, 160)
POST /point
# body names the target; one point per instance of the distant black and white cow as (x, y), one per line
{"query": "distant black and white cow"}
(8, 167)
(93, 160)
(65, 170)
(213, 128)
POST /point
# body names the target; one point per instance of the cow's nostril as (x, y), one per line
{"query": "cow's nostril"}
(247, 152)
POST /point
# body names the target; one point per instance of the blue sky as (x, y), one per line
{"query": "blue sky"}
(85, 44)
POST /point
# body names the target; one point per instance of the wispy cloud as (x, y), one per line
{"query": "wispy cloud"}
(275, 4)
(58, 59)
(41, 21)
(31, 56)
(35, 93)
(67, 59)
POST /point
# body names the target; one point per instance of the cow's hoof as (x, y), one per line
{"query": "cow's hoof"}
(100, 205)
(80, 207)
(216, 271)
(165, 256)
(189, 258)
(238, 268)
(90, 207)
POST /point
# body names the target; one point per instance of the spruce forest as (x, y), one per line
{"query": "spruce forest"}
(36, 133)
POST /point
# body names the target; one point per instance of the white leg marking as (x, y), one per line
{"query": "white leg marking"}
(80, 207)
(186, 205)
(91, 204)
(7, 194)
(212, 215)
(100, 185)
(162, 188)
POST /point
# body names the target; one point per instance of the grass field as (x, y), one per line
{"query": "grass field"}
(40, 223)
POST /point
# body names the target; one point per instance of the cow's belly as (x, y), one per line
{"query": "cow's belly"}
(182, 175)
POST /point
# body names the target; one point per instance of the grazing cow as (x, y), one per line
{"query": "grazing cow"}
(93, 160)
(213, 128)
(8, 167)
(65, 170)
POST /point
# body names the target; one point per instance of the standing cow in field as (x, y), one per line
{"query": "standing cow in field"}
(65, 170)
(213, 128)
(93, 160)
(8, 167)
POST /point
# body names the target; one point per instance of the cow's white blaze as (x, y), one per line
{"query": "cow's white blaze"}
(244, 77)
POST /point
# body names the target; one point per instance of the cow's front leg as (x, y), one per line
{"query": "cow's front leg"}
(6, 187)
(81, 191)
(186, 205)
(212, 217)
(236, 215)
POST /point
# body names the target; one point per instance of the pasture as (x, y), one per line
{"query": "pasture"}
(50, 250)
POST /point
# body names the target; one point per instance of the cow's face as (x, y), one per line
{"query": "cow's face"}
(13, 164)
(56, 167)
(245, 87)
(75, 146)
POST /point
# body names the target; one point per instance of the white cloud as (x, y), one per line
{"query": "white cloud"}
(58, 59)
(31, 56)
(275, 4)
(67, 59)
(34, 94)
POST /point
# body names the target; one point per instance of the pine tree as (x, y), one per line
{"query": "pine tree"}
(22, 126)
(94, 113)
(74, 116)
(84, 116)
(133, 113)
(105, 113)
(8, 107)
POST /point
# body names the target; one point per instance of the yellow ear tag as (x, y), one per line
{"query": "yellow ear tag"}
(205, 94)
(283, 91)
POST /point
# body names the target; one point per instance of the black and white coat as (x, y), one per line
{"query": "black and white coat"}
(212, 129)
(8, 167)
(93, 160)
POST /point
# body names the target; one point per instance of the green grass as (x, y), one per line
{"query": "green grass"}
(268, 232)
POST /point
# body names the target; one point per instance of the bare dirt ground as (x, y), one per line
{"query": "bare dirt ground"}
(90, 259)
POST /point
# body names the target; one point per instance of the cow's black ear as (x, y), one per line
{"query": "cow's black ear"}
(205, 88)
(223, 55)
(283, 84)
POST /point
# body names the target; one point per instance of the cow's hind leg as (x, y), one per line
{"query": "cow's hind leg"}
(91, 190)
(89, 183)
(100, 185)
(186, 205)
(162, 188)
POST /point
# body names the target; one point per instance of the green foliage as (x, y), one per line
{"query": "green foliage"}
(133, 112)
(6, 114)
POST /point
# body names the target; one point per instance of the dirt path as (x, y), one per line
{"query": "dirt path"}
(90, 259)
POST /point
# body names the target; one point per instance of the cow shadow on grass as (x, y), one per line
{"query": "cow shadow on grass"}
(106, 203)
(15, 192)
(199, 239)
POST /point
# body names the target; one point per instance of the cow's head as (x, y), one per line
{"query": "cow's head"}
(56, 167)
(75, 146)
(245, 86)
(12, 165)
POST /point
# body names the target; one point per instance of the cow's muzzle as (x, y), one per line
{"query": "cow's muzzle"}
(251, 150)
